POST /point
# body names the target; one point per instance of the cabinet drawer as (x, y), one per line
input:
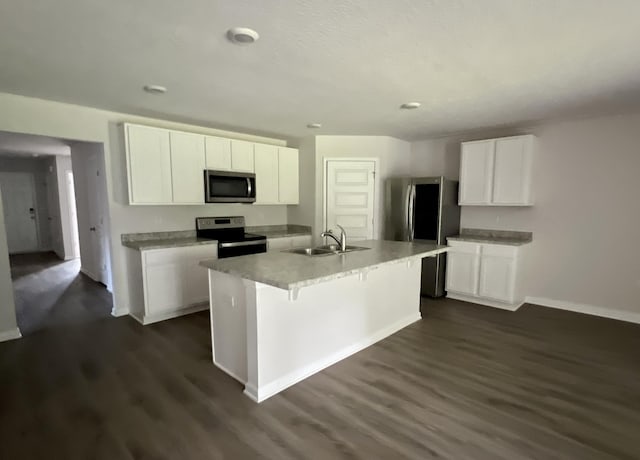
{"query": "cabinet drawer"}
(176, 255)
(464, 247)
(499, 250)
(277, 244)
(301, 241)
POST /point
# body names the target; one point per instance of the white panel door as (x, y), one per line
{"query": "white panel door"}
(462, 272)
(187, 168)
(288, 175)
(218, 153)
(349, 197)
(242, 156)
(96, 268)
(18, 196)
(512, 170)
(266, 169)
(476, 172)
(149, 163)
(497, 278)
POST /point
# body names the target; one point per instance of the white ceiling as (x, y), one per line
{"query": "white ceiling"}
(12, 144)
(347, 64)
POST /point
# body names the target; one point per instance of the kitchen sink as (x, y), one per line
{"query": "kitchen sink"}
(327, 250)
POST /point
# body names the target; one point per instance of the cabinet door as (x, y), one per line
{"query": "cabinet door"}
(278, 244)
(266, 168)
(218, 153)
(476, 172)
(187, 167)
(305, 241)
(288, 175)
(463, 268)
(242, 156)
(149, 165)
(512, 171)
(165, 289)
(497, 278)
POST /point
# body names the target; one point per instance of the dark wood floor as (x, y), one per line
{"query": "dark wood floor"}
(467, 382)
(51, 292)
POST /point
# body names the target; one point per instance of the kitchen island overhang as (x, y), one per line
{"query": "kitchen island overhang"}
(277, 318)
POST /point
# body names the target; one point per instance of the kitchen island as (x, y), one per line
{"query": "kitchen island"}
(279, 317)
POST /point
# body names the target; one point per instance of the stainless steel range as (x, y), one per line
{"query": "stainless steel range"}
(232, 239)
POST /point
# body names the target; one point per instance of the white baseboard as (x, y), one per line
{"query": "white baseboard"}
(11, 334)
(119, 312)
(89, 274)
(270, 389)
(149, 319)
(485, 302)
(594, 310)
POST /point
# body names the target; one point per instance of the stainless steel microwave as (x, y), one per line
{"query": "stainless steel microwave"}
(229, 187)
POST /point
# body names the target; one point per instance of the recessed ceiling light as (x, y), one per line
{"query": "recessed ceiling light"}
(410, 105)
(155, 89)
(242, 35)
(314, 125)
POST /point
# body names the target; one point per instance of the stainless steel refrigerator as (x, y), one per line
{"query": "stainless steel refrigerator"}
(423, 209)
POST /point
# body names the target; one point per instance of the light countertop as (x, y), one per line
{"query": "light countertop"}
(504, 237)
(286, 270)
(164, 240)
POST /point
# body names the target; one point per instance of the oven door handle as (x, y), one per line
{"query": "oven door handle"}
(241, 243)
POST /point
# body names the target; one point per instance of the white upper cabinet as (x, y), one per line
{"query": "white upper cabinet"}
(497, 172)
(476, 172)
(242, 156)
(512, 171)
(288, 182)
(218, 153)
(166, 167)
(266, 169)
(187, 167)
(148, 164)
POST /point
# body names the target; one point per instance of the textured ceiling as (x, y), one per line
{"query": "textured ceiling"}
(347, 64)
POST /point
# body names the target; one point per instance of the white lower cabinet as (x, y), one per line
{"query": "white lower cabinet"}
(485, 273)
(463, 270)
(289, 242)
(172, 281)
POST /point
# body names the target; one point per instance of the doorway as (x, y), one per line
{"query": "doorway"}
(19, 200)
(349, 196)
(56, 220)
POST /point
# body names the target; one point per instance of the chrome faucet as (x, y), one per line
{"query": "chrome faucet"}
(343, 237)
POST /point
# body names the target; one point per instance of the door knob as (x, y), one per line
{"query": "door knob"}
(92, 229)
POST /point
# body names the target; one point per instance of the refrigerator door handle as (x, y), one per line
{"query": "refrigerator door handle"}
(410, 211)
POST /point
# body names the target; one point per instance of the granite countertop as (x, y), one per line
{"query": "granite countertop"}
(286, 270)
(167, 243)
(162, 240)
(505, 237)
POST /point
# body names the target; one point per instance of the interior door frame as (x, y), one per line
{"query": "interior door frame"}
(36, 213)
(325, 183)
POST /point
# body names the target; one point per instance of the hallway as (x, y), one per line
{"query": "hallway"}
(50, 293)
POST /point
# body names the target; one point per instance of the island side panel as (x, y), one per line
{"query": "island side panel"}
(326, 323)
(228, 300)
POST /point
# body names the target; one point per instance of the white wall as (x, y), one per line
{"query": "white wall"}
(586, 217)
(8, 323)
(37, 167)
(63, 166)
(36, 116)
(394, 160)
(304, 212)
